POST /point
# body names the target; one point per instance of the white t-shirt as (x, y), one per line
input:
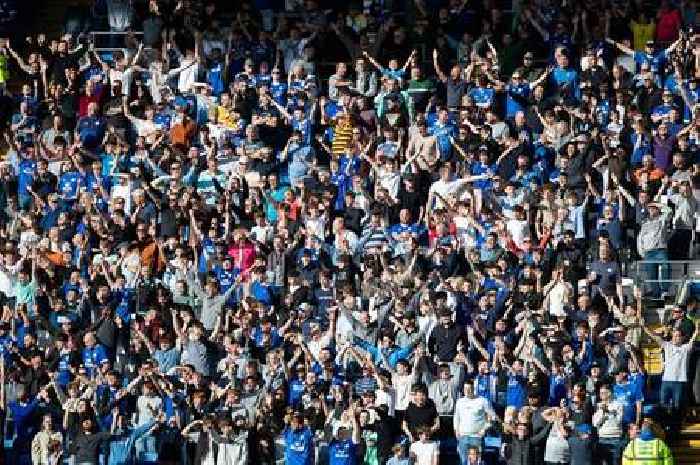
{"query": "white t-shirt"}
(424, 452)
(7, 281)
(402, 386)
(676, 361)
(389, 180)
(519, 231)
(387, 396)
(557, 298)
(443, 188)
(470, 415)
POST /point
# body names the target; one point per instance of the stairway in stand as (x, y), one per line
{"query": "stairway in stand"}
(686, 449)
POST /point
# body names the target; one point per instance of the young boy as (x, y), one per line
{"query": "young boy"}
(399, 457)
(424, 451)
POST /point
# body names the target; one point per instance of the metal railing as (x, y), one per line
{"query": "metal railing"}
(675, 271)
(675, 277)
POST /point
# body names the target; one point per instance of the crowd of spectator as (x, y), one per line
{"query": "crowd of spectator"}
(377, 232)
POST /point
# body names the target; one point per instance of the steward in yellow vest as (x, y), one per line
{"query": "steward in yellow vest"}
(646, 449)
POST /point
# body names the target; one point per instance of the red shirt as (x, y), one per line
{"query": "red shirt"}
(667, 25)
(85, 100)
(243, 254)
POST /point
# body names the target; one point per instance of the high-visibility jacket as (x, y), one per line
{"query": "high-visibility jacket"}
(651, 452)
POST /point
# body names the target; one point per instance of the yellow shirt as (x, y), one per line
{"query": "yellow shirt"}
(225, 117)
(4, 69)
(642, 33)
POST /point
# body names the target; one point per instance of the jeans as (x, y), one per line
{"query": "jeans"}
(654, 271)
(463, 445)
(609, 451)
(672, 394)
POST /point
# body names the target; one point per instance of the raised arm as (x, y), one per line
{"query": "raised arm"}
(622, 47)
(371, 59)
(654, 337)
(436, 65)
(538, 27)
(541, 79)
(22, 64)
(484, 353)
(283, 111)
(671, 48)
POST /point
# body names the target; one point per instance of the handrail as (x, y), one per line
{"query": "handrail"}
(637, 271)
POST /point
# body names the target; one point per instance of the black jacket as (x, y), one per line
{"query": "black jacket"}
(443, 341)
(526, 451)
(86, 447)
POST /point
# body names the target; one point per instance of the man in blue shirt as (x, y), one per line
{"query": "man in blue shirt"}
(91, 128)
(655, 59)
(26, 170)
(278, 89)
(565, 80)
(481, 94)
(661, 111)
(300, 156)
(629, 396)
(259, 290)
(404, 225)
(298, 442)
(444, 131)
(22, 411)
(342, 450)
(69, 183)
(387, 353)
(93, 354)
(518, 91)
(273, 197)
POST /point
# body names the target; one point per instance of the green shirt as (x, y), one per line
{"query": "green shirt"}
(4, 69)
(25, 294)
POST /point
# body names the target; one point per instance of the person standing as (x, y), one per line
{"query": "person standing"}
(607, 419)
(472, 418)
(298, 441)
(652, 245)
(647, 449)
(675, 376)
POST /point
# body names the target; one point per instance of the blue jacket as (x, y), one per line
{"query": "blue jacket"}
(22, 416)
(121, 447)
(391, 355)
